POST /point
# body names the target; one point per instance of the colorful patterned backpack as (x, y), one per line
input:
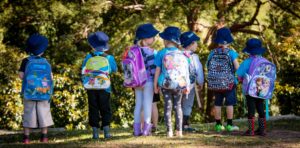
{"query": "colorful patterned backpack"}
(175, 72)
(220, 71)
(259, 81)
(95, 73)
(134, 69)
(37, 82)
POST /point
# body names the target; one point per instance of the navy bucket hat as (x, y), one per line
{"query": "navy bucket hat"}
(36, 44)
(188, 38)
(223, 36)
(254, 47)
(145, 31)
(171, 33)
(99, 41)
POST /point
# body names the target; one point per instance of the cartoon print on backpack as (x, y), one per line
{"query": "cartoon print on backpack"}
(38, 83)
(261, 79)
(127, 73)
(95, 73)
(176, 69)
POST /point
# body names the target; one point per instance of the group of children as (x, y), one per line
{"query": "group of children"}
(174, 71)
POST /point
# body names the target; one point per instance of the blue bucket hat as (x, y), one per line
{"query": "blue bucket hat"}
(171, 33)
(99, 41)
(36, 44)
(145, 31)
(254, 47)
(188, 38)
(223, 36)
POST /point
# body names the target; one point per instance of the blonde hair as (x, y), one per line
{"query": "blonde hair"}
(173, 43)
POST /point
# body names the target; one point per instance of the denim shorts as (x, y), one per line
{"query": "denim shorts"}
(230, 97)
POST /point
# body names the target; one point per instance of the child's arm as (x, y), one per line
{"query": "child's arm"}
(236, 64)
(157, 73)
(21, 75)
(200, 74)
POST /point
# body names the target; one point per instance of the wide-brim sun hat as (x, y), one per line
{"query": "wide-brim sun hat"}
(171, 33)
(254, 47)
(223, 36)
(145, 31)
(36, 44)
(187, 38)
(99, 41)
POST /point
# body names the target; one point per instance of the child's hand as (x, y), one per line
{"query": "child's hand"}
(186, 91)
(156, 89)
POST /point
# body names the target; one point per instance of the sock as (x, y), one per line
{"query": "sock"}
(229, 122)
(218, 122)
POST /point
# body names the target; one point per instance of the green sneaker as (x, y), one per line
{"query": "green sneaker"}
(219, 128)
(231, 128)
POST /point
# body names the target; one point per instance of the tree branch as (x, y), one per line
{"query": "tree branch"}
(236, 27)
(249, 31)
(287, 9)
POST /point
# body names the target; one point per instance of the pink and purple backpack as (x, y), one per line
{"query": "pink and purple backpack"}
(259, 81)
(133, 65)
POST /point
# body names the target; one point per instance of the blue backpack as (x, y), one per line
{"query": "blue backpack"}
(37, 82)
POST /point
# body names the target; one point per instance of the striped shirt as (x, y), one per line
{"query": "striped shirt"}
(149, 55)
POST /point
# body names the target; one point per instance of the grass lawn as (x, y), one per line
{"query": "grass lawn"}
(281, 133)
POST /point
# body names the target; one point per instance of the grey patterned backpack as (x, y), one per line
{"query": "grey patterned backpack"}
(220, 71)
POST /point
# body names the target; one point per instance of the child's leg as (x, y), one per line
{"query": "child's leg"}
(105, 111)
(29, 118)
(26, 135)
(138, 104)
(168, 110)
(187, 105)
(178, 112)
(251, 114)
(230, 102)
(147, 107)
(219, 97)
(261, 120)
(94, 115)
(147, 101)
(44, 118)
(44, 137)
(154, 115)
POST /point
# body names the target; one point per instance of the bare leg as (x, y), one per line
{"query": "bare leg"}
(229, 112)
(218, 112)
(154, 114)
(44, 130)
(26, 131)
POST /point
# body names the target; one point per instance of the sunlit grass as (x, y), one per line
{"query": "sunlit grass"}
(282, 133)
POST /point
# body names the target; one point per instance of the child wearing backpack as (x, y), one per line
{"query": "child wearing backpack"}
(96, 68)
(144, 38)
(37, 87)
(172, 76)
(258, 76)
(189, 43)
(221, 65)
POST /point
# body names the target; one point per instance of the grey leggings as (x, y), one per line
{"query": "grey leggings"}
(172, 98)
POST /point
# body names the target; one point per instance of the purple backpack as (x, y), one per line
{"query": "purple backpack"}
(133, 65)
(259, 81)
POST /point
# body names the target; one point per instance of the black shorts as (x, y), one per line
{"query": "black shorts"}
(156, 98)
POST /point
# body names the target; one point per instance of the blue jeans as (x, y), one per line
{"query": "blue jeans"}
(188, 102)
